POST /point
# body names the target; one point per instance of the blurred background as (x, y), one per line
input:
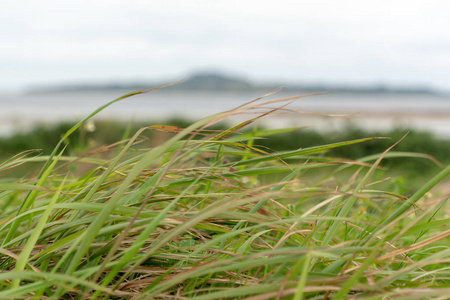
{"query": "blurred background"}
(387, 63)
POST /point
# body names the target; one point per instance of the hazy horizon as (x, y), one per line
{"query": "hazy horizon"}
(395, 43)
(61, 86)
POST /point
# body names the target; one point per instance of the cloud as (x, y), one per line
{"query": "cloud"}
(324, 39)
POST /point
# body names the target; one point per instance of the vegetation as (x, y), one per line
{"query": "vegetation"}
(208, 214)
(101, 133)
(408, 161)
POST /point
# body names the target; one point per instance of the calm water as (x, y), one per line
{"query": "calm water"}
(370, 111)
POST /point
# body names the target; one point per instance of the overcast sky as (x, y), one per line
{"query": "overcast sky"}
(354, 42)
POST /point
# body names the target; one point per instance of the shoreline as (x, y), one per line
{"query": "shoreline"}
(20, 113)
(437, 123)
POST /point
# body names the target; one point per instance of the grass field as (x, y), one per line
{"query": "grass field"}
(209, 214)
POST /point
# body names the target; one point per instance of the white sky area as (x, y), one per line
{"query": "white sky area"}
(354, 42)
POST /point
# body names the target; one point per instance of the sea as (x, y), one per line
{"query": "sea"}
(324, 112)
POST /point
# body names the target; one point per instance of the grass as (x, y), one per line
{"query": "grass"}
(406, 161)
(218, 217)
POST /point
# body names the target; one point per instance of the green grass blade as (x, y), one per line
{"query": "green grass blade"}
(25, 254)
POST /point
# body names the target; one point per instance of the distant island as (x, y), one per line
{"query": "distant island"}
(213, 81)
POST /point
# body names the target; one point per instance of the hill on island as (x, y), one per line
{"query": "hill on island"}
(215, 81)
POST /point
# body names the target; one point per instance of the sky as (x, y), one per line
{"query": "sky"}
(348, 42)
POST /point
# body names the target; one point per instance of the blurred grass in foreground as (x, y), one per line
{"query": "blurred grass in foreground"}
(94, 135)
(209, 214)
